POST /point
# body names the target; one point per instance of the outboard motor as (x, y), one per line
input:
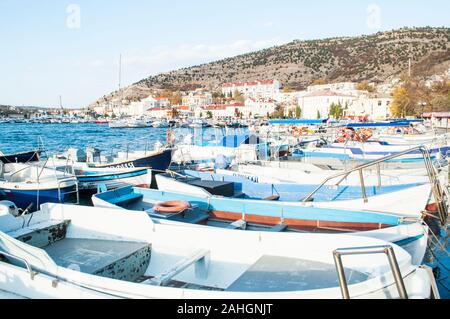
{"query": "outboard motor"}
(93, 155)
(8, 208)
(159, 146)
(221, 162)
(76, 155)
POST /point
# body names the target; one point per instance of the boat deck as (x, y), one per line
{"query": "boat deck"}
(278, 274)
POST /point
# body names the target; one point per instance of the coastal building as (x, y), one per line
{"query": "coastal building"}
(438, 119)
(317, 104)
(346, 88)
(197, 98)
(227, 111)
(268, 89)
(370, 108)
(155, 102)
(258, 107)
(158, 112)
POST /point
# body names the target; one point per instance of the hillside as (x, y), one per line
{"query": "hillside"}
(377, 58)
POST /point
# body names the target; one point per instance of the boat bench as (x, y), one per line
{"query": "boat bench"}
(106, 258)
(120, 260)
(198, 258)
(126, 199)
(42, 234)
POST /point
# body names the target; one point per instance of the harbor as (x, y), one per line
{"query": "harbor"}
(261, 179)
(217, 158)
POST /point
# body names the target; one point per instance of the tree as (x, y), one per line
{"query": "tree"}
(291, 114)
(209, 115)
(319, 82)
(336, 110)
(404, 102)
(279, 112)
(238, 97)
(365, 86)
(318, 115)
(440, 97)
(298, 112)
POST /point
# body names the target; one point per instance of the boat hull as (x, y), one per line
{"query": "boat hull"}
(90, 182)
(159, 161)
(21, 158)
(23, 198)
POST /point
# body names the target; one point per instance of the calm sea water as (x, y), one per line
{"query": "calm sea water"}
(16, 138)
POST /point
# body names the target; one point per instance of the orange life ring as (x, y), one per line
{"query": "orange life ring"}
(170, 137)
(344, 135)
(172, 207)
(304, 131)
(363, 135)
(296, 132)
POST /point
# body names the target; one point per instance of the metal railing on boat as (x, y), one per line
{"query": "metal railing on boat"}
(387, 250)
(25, 262)
(438, 191)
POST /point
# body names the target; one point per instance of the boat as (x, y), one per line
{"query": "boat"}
(151, 260)
(130, 123)
(404, 200)
(160, 124)
(89, 178)
(367, 152)
(275, 217)
(158, 159)
(27, 157)
(27, 184)
(303, 173)
(242, 148)
(101, 122)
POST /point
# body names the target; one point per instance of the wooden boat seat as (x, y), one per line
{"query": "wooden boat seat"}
(273, 198)
(106, 258)
(198, 258)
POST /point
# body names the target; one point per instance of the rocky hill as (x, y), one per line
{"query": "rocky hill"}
(377, 58)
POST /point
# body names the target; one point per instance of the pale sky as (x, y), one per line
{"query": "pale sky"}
(71, 48)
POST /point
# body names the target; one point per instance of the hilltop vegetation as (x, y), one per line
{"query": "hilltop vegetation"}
(374, 58)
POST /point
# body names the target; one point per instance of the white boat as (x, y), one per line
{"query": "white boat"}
(149, 260)
(27, 184)
(406, 202)
(303, 173)
(130, 123)
(89, 178)
(160, 124)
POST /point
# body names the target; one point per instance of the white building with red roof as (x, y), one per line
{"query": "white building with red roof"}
(197, 98)
(268, 89)
(317, 104)
(220, 111)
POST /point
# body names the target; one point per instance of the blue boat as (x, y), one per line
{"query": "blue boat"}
(408, 200)
(34, 185)
(156, 161)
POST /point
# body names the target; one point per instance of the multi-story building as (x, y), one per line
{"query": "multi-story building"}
(197, 98)
(370, 108)
(226, 111)
(317, 103)
(155, 102)
(268, 89)
(348, 88)
(258, 107)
